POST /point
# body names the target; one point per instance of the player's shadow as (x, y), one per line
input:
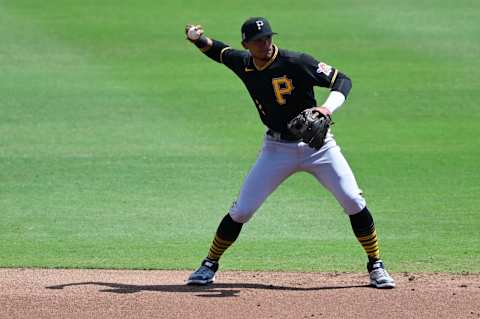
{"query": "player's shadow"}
(215, 290)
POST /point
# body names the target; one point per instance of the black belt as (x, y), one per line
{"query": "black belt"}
(282, 136)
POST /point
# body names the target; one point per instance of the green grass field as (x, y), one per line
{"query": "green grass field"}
(121, 146)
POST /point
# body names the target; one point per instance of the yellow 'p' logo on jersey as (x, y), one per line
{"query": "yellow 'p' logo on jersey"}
(281, 87)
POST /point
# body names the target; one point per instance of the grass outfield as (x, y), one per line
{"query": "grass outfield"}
(121, 146)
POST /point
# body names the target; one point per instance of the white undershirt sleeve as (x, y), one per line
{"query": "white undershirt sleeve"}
(334, 101)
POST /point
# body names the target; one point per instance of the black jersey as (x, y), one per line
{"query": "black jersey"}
(283, 87)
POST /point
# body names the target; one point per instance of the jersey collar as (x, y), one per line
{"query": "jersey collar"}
(274, 56)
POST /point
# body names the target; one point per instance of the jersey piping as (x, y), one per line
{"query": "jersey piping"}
(274, 56)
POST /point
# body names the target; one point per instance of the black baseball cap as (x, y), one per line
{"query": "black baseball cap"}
(255, 28)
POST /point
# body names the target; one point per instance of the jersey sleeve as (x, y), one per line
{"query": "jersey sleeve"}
(224, 54)
(233, 59)
(317, 73)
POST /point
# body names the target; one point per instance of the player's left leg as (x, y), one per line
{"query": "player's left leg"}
(332, 171)
(364, 229)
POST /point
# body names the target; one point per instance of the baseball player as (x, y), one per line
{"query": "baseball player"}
(280, 83)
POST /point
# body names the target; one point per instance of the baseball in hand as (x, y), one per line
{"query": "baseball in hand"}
(193, 34)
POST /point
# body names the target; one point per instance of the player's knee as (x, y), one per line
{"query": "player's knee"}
(240, 218)
(241, 214)
(353, 204)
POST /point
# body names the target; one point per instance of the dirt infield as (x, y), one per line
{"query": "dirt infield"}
(40, 293)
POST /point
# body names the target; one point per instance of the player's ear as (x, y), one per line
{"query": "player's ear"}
(244, 45)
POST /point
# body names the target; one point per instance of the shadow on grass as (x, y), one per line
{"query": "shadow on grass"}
(214, 290)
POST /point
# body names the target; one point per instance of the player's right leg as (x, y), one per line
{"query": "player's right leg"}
(275, 163)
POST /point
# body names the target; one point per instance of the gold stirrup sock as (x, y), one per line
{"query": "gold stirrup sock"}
(217, 248)
(364, 229)
(227, 233)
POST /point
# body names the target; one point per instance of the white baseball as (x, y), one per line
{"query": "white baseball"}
(193, 34)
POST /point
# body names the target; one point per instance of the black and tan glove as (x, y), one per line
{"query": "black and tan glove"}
(311, 127)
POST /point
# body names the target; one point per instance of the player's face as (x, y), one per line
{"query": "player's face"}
(261, 49)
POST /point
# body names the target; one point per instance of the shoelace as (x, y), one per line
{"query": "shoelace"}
(380, 272)
(203, 270)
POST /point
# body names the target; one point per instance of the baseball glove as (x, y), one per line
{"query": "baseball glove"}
(311, 127)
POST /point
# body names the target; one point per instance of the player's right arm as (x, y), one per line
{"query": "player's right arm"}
(214, 49)
(195, 34)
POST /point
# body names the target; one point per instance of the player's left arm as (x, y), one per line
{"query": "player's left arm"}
(341, 86)
(324, 75)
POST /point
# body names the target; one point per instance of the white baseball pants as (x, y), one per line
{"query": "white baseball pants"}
(279, 159)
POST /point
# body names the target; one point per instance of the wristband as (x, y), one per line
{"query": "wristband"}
(334, 101)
